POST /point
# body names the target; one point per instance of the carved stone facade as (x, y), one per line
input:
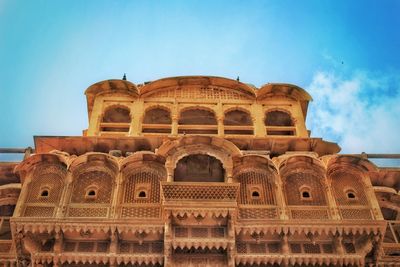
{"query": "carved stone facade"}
(197, 171)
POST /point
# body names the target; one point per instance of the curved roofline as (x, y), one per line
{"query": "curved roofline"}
(109, 86)
(293, 91)
(198, 80)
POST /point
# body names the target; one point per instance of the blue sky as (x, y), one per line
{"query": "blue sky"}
(345, 53)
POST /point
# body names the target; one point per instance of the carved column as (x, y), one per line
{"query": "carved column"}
(22, 197)
(337, 241)
(175, 118)
(231, 249)
(95, 117)
(167, 240)
(116, 195)
(62, 210)
(280, 200)
(299, 121)
(333, 208)
(220, 119)
(137, 112)
(371, 197)
(257, 115)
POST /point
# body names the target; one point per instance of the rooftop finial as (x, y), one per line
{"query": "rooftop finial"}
(124, 78)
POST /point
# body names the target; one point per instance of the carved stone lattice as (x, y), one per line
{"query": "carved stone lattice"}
(100, 180)
(140, 248)
(46, 177)
(197, 192)
(195, 92)
(310, 214)
(33, 211)
(295, 181)
(5, 247)
(145, 179)
(87, 212)
(356, 214)
(259, 213)
(260, 181)
(345, 183)
(138, 212)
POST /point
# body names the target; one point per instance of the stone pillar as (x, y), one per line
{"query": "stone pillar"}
(19, 208)
(258, 120)
(116, 195)
(220, 119)
(137, 113)
(95, 117)
(280, 200)
(333, 208)
(299, 120)
(175, 118)
(64, 200)
(371, 197)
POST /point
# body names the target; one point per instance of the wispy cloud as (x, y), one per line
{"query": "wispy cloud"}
(360, 111)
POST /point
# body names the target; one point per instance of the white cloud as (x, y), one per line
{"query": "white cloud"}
(361, 111)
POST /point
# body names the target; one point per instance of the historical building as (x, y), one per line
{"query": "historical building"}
(196, 171)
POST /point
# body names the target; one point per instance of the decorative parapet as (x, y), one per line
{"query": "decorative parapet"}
(200, 192)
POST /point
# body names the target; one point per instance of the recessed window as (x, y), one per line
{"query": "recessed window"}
(351, 194)
(255, 194)
(142, 194)
(91, 193)
(44, 193)
(305, 193)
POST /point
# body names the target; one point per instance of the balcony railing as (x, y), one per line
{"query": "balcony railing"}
(198, 129)
(238, 130)
(281, 130)
(156, 128)
(114, 128)
(203, 192)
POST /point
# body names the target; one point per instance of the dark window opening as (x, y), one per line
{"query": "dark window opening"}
(157, 116)
(44, 193)
(142, 194)
(255, 194)
(199, 168)
(305, 194)
(238, 118)
(91, 193)
(189, 119)
(351, 195)
(116, 115)
(278, 118)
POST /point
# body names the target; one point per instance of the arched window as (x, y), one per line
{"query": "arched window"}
(199, 168)
(157, 120)
(190, 119)
(348, 189)
(304, 188)
(275, 120)
(235, 122)
(116, 119)
(256, 187)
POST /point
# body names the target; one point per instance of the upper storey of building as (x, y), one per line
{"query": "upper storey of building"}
(200, 105)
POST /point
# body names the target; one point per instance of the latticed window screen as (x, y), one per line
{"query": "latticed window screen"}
(295, 181)
(192, 92)
(343, 183)
(142, 178)
(258, 177)
(99, 179)
(48, 178)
